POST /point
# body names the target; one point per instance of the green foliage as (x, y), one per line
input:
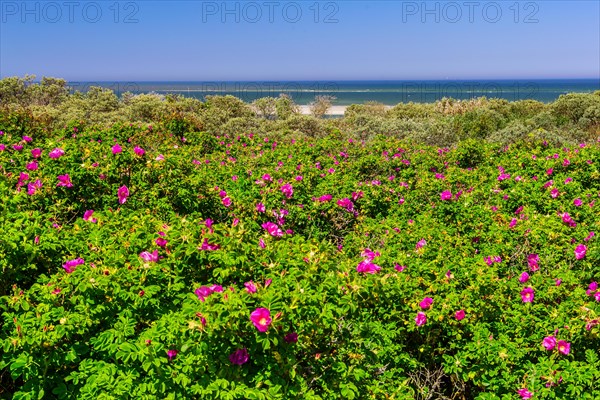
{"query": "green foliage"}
(126, 322)
(46, 106)
(572, 107)
(285, 107)
(478, 124)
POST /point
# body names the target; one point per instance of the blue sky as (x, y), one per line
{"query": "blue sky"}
(299, 40)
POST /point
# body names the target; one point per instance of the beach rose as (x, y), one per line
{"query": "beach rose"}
(261, 318)
(287, 190)
(87, 216)
(239, 357)
(524, 277)
(272, 229)
(525, 394)
(250, 287)
(208, 246)
(367, 267)
(123, 193)
(426, 303)
(564, 347)
(70, 265)
(421, 318)
(64, 181)
(149, 257)
(533, 260)
(527, 295)
(56, 153)
(549, 343)
(291, 337)
(346, 203)
(580, 251)
(459, 315)
(203, 292)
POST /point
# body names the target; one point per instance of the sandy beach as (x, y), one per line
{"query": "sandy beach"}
(333, 110)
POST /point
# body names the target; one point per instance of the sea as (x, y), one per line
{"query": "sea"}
(359, 92)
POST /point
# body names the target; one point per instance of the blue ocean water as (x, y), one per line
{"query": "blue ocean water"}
(357, 92)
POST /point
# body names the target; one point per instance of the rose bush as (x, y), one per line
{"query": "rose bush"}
(262, 268)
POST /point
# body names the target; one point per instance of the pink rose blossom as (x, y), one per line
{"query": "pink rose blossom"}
(123, 193)
(56, 153)
(70, 265)
(149, 257)
(549, 343)
(346, 203)
(203, 292)
(287, 190)
(273, 229)
(426, 303)
(33, 187)
(580, 251)
(291, 337)
(250, 287)
(568, 220)
(446, 195)
(527, 295)
(525, 394)
(421, 318)
(367, 267)
(87, 216)
(239, 357)
(171, 354)
(209, 247)
(524, 277)
(564, 347)
(64, 180)
(261, 318)
(533, 260)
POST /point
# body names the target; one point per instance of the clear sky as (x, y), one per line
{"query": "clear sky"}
(150, 40)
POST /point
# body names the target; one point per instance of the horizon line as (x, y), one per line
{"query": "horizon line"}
(312, 80)
(321, 80)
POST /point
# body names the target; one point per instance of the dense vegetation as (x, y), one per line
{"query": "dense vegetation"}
(48, 105)
(166, 258)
